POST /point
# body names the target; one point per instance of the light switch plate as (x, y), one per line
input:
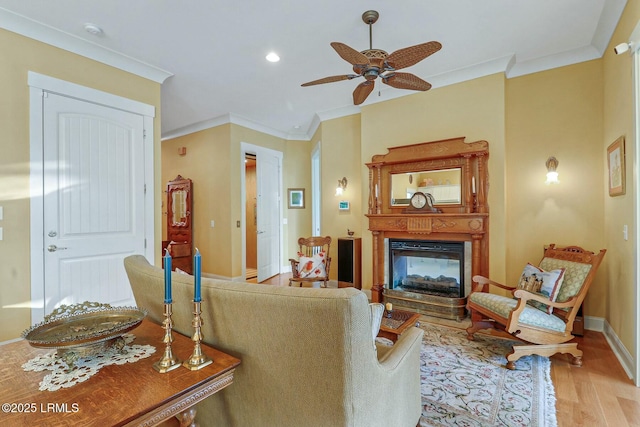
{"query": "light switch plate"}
(1, 237)
(1, 213)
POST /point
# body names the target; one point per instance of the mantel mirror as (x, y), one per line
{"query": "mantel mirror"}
(445, 185)
(452, 171)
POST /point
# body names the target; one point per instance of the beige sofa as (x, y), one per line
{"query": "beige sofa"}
(308, 354)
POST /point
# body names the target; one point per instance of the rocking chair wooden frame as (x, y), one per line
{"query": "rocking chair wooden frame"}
(540, 341)
(309, 246)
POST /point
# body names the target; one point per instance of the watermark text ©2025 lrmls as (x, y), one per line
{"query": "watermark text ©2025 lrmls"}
(39, 408)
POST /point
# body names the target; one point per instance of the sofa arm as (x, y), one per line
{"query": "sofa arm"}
(396, 376)
(392, 356)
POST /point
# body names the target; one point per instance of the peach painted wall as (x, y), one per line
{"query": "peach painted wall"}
(556, 113)
(621, 303)
(207, 165)
(340, 158)
(21, 55)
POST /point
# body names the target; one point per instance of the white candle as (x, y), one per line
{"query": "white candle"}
(473, 184)
(376, 190)
(389, 306)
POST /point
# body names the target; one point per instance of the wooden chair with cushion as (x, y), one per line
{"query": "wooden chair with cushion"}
(313, 261)
(544, 325)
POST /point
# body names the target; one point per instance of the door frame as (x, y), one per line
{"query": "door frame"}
(39, 86)
(316, 189)
(247, 148)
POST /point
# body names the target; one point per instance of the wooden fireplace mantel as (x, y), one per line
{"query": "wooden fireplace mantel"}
(466, 220)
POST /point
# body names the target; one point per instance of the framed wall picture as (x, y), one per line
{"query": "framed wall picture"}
(343, 205)
(296, 198)
(616, 164)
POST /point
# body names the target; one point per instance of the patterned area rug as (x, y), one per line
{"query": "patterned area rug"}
(465, 383)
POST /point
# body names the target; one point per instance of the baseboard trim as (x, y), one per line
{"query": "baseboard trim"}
(600, 324)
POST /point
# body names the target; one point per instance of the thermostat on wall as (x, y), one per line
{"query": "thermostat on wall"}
(343, 205)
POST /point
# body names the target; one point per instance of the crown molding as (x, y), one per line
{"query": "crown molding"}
(24, 26)
(236, 120)
(197, 127)
(562, 59)
(313, 127)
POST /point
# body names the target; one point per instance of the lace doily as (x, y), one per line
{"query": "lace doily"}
(86, 367)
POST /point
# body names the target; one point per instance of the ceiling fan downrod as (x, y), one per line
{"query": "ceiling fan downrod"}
(370, 17)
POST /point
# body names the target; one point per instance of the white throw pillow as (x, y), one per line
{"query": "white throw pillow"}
(313, 266)
(546, 283)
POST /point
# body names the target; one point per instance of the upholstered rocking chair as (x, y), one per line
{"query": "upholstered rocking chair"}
(542, 324)
(313, 261)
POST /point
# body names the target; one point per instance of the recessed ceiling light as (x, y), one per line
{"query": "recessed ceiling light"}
(93, 29)
(273, 57)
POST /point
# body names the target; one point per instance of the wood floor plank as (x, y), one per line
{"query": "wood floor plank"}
(631, 409)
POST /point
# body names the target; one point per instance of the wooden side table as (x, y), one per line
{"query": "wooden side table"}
(399, 322)
(133, 394)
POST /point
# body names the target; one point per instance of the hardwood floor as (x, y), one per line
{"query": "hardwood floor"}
(597, 394)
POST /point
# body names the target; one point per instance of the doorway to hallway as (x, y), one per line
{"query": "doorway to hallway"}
(262, 213)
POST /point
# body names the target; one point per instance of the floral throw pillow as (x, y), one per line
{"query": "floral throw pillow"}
(538, 281)
(313, 266)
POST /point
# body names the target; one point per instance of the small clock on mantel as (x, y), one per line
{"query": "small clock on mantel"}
(421, 203)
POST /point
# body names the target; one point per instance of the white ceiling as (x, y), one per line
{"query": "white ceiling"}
(210, 55)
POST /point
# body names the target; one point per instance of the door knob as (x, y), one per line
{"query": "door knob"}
(53, 248)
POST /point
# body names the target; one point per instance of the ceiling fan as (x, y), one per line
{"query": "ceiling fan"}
(373, 63)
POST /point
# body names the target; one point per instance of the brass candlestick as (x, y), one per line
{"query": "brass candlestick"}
(198, 359)
(169, 361)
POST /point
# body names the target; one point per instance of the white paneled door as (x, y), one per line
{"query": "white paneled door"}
(94, 192)
(268, 206)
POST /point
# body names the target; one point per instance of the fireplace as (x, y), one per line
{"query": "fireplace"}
(431, 277)
(427, 267)
(424, 259)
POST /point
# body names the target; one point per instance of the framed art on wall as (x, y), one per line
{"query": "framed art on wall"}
(296, 198)
(616, 166)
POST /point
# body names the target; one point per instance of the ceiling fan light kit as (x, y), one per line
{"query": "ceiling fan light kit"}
(373, 63)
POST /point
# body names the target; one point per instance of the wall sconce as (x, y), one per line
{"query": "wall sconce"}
(182, 151)
(342, 186)
(552, 175)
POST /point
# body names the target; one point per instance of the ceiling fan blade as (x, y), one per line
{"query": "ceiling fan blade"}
(406, 81)
(409, 56)
(362, 91)
(349, 54)
(330, 79)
